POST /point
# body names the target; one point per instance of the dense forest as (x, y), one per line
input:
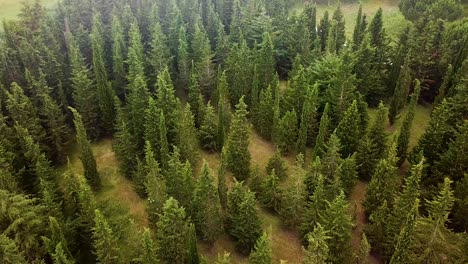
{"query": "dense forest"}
(182, 87)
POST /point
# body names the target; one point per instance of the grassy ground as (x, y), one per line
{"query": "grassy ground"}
(9, 9)
(394, 21)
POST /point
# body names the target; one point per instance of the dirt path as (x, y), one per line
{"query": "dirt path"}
(357, 210)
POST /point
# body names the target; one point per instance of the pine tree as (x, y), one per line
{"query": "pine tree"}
(104, 92)
(193, 256)
(209, 129)
(337, 30)
(270, 195)
(202, 58)
(123, 144)
(323, 134)
(359, 29)
(183, 61)
(400, 93)
(317, 248)
(155, 186)
(287, 132)
(309, 125)
(159, 56)
(86, 153)
(104, 240)
(348, 130)
(149, 255)
(383, 183)
(84, 94)
(207, 207)
(277, 163)
(323, 31)
(261, 253)
(118, 51)
(377, 132)
(263, 116)
(171, 238)
(348, 172)
(405, 237)
(405, 131)
(243, 220)
(238, 155)
(336, 220)
(187, 140)
(364, 250)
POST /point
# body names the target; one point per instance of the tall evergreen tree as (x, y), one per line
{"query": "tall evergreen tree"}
(364, 250)
(171, 238)
(359, 29)
(155, 186)
(337, 31)
(183, 61)
(118, 58)
(405, 237)
(193, 256)
(123, 144)
(405, 131)
(207, 208)
(187, 140)
(238, 155)
(400, 93)
(377, 132)
(348, 130)
(263, 116)
(323, 133)
(86, 153)
(324, 30)
(309, 125)
(287, 132)
(202, 58)
(104, 92)
(168, 103)
(159, 55)
(149, 249)
(317, 251)
(261, 254)
(105, 242)
(222, 189)
(209, 129)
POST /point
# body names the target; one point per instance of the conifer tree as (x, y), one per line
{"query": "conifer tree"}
(405, 237)
(238, 155)
(118, 59)
(323, 134)
(317, 251)
(137, 104)
(277, 163)
(348, 172)
(223, 107)
(123, 144)
(266, 62)
(195, 97)
(364, 250)
(168, 103)
(309, 125)
(183, 61)
(202, 58)
(243, 221)
(84, 94)
(317, 203)
(207, 208)
(10, 252)
(86, 153)
(160, 55)
(193, 256)
(324, 30)
(222, 189)
(209, 129)
(331, 161)
(405, 131)
(337, 30)
(163, 142)
(179, 180)
(155, 186)
(187, 140)
(383, 183)
(400, 93)
(359, 29)
(310, 13)
(60, 257)
(270, 196)
(135, 60)
(261, 253)
(104, 92)
(104, 240)
(149, 249)
(293, 201)
(171, 238)
(377, 133)
(287, 132)
(263, 116)
(56, 242)
(348, 130)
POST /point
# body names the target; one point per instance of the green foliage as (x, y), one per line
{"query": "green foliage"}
(359, 29)
(10, 251)
(159, 56)
(293, 202)
(348, 130)
(123, 144)
(209, 129)
(155, 186)
(222, 189)
(149, 255)
(105, 242)
(193, 256)
(263, 116)
(364, 250)
(202, 58)
(207, 209)
(309, 123)
(171, 238)
(261, 254)
(287, 132)
(348, 172)
(323, 134)
(270, 195)
(317, 251)
(238, 155)
(118, 51)
(179, 180)
(378, 134)
(243, 221)
(405, 237)
(444, 9)
(400, 93)
(337, 38)
(187, 140)
(277, 163)
(86, 153)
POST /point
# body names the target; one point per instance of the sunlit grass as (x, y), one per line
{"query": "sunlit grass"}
(9, 9)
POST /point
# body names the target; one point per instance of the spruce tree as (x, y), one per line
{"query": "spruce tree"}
(223, 108)
(193, 256)
(364, 250)
(277, 163)
(383, 183)
(163, 142)
(135, 59)
(400, 93)
(287, 133)
(266, 62)
(309, 125)
(323, 134)
(337, 30)
(310, 13)
(123, 144)
(270, 195)
(238, 155)
(348, 130)
(149, 249)
(179, 180)
(263, 116)
(405, 236)
(118, 59)
(159, 55)
(317, 251)
(183, 61)
(202, 58)
(209, 129)
(104, 240)
(171, 238)
(359, 29)
(348, 172)
(207, 208)
(261, 253)
(137, 104)
(377, 132)
(104, 92)
(195, 97)
(323, 31)
(405, 131)
(243, 221)
(155, 187)
(317, 203)
(86, 153)
(168, 103)
(187, 140)
(10, 251)
(152, 135)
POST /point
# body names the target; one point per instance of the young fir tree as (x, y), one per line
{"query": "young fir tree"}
(377, 132)
(323, 133)
(317, 251)
(104, 92)
(265, 62)
(171, 238)
(187, 140)
(261, 254)
(207, 209)
(209, 129)
(168, 103)
(195, 97)
(193, 256)
(309, 125)
(104, 240)
(277, 163)
(183, 61)
(348, 172)
(330, 165)
(400, 92)
(223, 108)
(323, 31)
(263, 116)
(159, 55)
(337, 31)
(287, 132)
(155, 186)
(243, 221)
(348, 130)
(202, 57)
(405, 236)
(86, 153)
(383, 183)
(179, 180)
(118, 59)
(84, 93)
(123, 144)
(405, 131)
(364, 251)
(270, 195)
(148, 249)
(310, 13)
(238, 155)
(293, 200)
(359, 29)
(317, 203)
(163, 142)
